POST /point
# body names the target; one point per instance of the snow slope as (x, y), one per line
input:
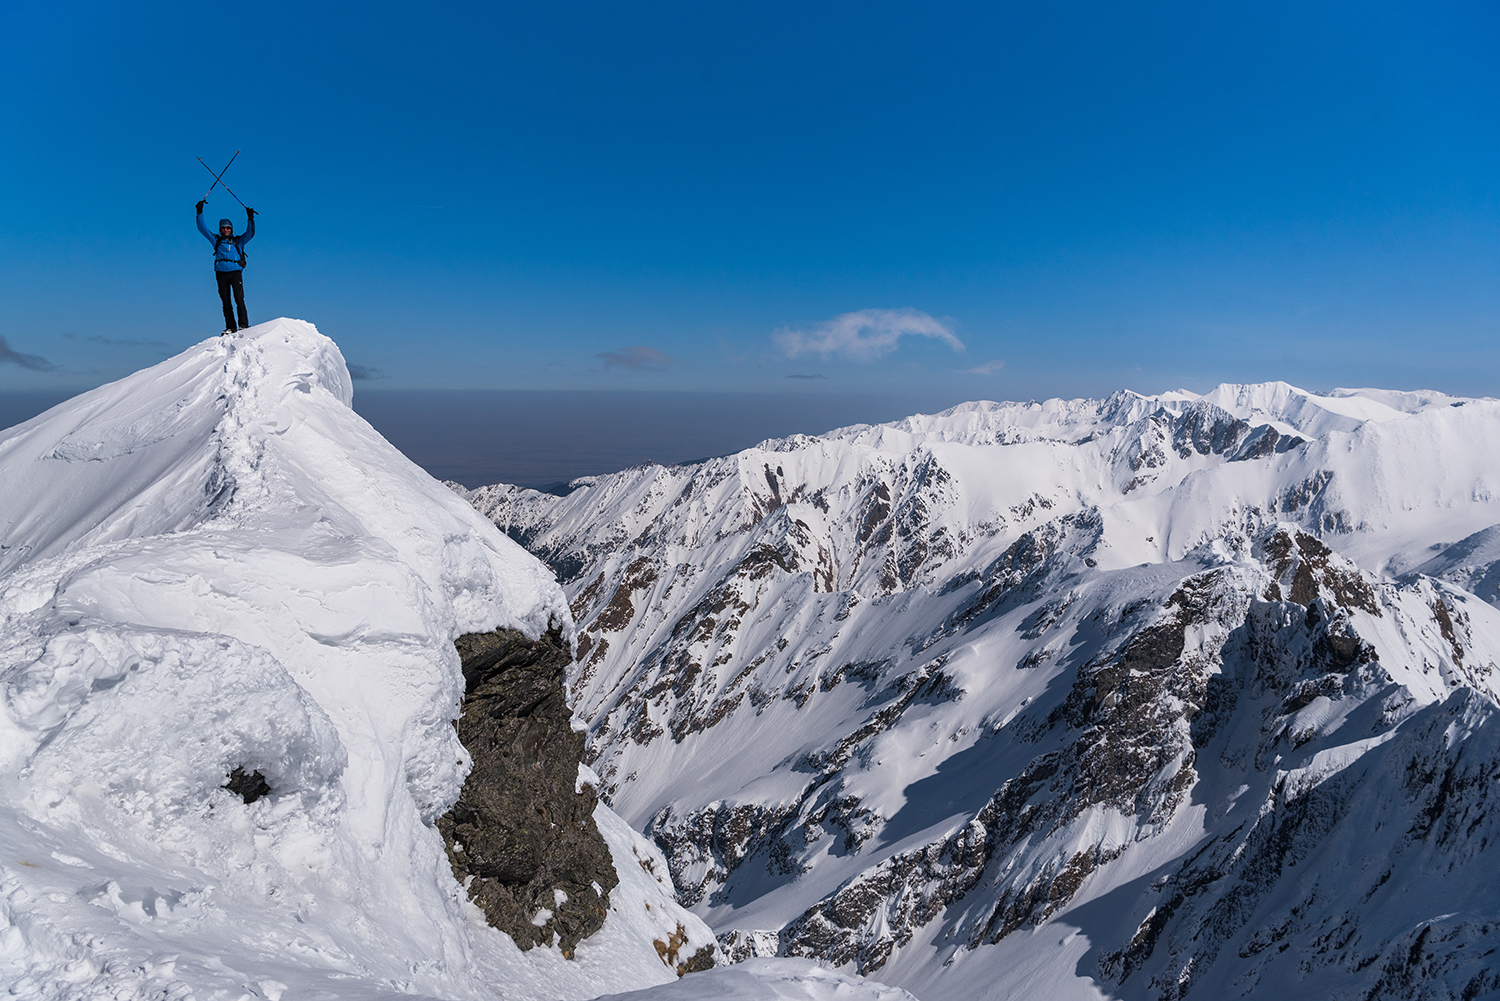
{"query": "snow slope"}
(1089, 698)
(212, 565)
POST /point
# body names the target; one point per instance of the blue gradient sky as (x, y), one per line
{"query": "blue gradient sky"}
(1087, 196)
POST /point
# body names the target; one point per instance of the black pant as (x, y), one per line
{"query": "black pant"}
(232, 280)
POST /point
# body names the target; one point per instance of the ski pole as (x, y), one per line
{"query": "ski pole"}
(218, 175)
(217, 180)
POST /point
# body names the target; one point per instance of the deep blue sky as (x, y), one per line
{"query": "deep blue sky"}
(1087, 196)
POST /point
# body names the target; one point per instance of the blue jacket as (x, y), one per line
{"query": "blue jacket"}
(227, 257)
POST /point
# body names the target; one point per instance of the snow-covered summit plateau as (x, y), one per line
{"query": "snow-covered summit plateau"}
(1141, 697)
(215, 570)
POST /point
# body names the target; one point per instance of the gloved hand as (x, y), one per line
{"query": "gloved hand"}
(250, 212)
(200, 205)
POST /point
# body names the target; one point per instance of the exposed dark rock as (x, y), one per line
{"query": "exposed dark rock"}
(1309, 568)
(1263, 441)
(1220, 897)
(1312, 502)
(1130, 721)
(249, 786)
(540, 868)
(1207, 429)
(723, 836)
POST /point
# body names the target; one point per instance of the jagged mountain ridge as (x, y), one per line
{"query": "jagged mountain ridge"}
(904, 696)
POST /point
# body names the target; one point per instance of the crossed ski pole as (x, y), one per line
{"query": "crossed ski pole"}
(218, 180)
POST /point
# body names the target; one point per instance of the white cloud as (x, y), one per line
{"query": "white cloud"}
(988, 368)
(865, 335)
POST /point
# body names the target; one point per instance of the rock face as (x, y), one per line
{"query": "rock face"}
(523, 827)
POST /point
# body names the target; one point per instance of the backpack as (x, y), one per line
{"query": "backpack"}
(244, 261)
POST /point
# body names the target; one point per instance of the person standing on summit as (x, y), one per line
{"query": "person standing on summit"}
(229, 265)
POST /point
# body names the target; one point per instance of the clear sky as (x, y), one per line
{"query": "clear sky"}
(980, 200)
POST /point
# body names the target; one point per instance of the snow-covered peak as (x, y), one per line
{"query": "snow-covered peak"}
(215, 568)
(254, 432)
(1312, 414)
(1277, 404)
(1166, 475)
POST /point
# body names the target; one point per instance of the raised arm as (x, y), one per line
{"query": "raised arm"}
(202, 228)
(249, 227)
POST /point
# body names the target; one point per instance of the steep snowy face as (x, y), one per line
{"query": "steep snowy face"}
(913, 697)
(215, 568)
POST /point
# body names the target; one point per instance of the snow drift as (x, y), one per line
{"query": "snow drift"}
(211, 568)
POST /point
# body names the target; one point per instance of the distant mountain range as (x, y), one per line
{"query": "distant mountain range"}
(1140, 697)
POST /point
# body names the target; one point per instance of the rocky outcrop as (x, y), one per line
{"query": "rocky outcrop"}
(522, 837)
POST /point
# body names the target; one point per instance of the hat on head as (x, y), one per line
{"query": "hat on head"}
(225, 222)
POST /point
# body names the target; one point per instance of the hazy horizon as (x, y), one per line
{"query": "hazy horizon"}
(540, 438)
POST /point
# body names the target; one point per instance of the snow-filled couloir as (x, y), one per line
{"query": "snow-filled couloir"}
(1140, 697)
(228, 687)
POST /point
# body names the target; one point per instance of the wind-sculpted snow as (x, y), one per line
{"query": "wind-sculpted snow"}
(1065, 699)
(228, 687)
